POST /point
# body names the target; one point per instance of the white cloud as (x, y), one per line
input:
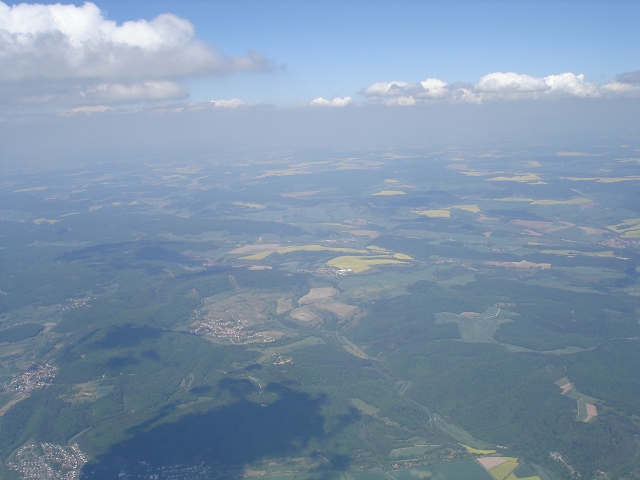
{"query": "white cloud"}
(404, 93)
(229, 103)
(122, 93)
(61, 42)
(64, 55)
(86, 110)
(465, 95)
(336, 102)
(572, 85)
(499, 82)
(499, 86)
(434, 88)
(389, 89)
(619, 88)
(403, 101)
(514, 86)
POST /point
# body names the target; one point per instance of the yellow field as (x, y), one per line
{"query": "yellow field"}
(607, 253)
(389, 192)
(502, 471)
(446, 212)
(402, 256)
(362, 264)
(188, 169)
(629, 178)
(38, 221)
(31, 189)
(441, 213)
(343, 225)
(522, 177)
(390, 180)
(603, 179)
(249, 205)
(476, 451)
(467, 208)
(299, 194)
(171, 177)
(573, 201)
(514, 199)
(628, 228)
(378, 249)
(284, 173)
(571, 154)
(301, 248)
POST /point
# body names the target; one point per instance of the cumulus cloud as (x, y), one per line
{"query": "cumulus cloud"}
(336, 102)
(500, 86)
(64, 54)
(571, 85)
(403, 101)
(433, 88)
(229, 103)
(390, 89)
(511, 85)
(616, 88)
(499, 82)
(122, 93)
(86, 110)
(68, 42)
(404, 93)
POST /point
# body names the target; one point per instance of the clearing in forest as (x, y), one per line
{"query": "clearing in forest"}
(389, 192)
(340, 310)
(260, 247)
(301, 248)
(362, 264)
(303, 314)
(587, 409)
(520, 264)
(284, 305)
(364, 407)
(317, 294)
(476, 327)
(446, 212)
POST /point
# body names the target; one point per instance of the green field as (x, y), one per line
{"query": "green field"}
(451, 471)
(140, 318)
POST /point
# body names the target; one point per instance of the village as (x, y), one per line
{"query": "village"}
(220, 328)
(49, 461)
(33, 379)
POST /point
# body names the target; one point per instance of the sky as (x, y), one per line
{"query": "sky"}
(390, 66)
(290, 53)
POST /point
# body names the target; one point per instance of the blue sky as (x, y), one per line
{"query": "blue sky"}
(337, 48)
(320, 48)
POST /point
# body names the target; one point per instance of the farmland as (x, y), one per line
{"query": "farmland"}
(454, 313)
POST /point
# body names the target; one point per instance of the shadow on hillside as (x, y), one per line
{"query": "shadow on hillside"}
(128, 335)
(222, 439)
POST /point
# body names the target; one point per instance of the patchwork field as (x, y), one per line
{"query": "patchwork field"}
(327, 314)
(364, 263)
(452, 471)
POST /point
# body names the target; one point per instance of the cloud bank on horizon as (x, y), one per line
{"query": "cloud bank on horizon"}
(502, 86)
